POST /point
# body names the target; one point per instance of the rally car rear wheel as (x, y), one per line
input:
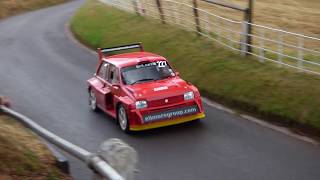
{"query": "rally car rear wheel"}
(92, 100)
(123, 119)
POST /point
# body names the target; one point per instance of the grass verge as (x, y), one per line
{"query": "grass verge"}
(23, 156)
(13, 7)
(278, 94)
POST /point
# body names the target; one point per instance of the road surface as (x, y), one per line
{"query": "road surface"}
(45, 74)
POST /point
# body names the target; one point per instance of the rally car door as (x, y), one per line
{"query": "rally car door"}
(103, 92)
(114, 86)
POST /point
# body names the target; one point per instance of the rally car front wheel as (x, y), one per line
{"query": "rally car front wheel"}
(93, 100)
(123, 119)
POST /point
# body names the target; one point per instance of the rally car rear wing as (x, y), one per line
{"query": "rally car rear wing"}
(103, 52)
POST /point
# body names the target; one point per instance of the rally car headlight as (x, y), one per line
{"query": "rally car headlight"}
(188, 95)
(141, 104)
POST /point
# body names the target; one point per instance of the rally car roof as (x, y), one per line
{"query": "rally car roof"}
(130, 59)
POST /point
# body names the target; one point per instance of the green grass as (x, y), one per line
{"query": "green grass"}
(224, 76)
(23, 155)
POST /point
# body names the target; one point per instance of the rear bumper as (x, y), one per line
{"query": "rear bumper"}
(167, 122)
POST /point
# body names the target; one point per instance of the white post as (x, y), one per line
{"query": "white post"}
(230, 33)
(208, 24)
(218, 29)
(300, 51)
(117, 4)
(244, 46)
(176, 14)
(261, 45)
(171, 12)
(140, 7)
(111, 3)
(280, 47)
(180, 15)
(135, 6)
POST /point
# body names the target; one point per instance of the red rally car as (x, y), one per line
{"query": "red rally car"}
(141, 90)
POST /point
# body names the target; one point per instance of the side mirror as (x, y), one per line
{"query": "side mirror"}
(177, 73)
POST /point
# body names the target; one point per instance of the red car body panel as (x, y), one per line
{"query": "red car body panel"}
(109, 96)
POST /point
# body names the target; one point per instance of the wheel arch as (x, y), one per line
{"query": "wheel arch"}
(119, 103)
(125, 101)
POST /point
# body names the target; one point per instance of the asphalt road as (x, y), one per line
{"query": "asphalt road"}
(44, 74)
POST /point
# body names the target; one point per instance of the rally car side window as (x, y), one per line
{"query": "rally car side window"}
(113, 75)
(103, 71)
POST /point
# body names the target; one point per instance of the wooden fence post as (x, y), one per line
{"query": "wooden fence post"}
(248, 18)
(141, 7)
(161, 13)
(196, 16)
(135, 7)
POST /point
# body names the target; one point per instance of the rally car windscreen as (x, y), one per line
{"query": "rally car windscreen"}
(146, 72)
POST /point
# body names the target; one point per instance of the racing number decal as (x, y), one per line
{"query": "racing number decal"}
(161, 64)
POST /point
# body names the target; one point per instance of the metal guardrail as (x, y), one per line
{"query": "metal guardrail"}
(285, 48)
(114, 160)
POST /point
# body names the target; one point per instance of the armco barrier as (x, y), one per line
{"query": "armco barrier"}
(115, 160)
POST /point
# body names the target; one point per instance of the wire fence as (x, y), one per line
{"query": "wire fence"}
(285, 48)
